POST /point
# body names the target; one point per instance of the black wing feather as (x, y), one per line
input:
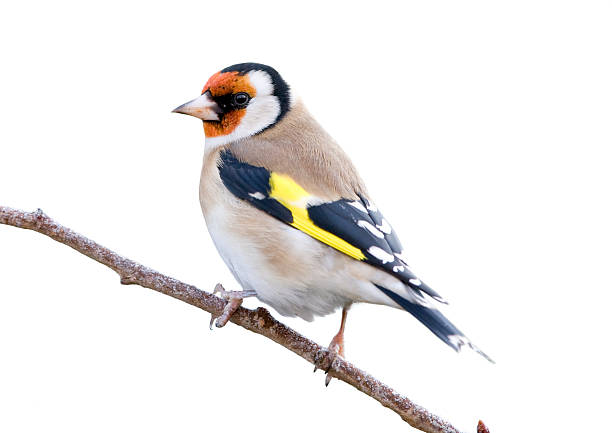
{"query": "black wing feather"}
(246, 181)
(342, 219)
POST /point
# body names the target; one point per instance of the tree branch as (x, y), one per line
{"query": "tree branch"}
(259, 321)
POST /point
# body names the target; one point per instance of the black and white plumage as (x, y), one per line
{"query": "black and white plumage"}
(289, 213)
(358, 222)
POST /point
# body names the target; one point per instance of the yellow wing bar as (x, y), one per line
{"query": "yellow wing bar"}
(295, 198)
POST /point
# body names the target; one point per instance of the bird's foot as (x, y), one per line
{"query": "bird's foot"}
(336, 349)
(234, 300)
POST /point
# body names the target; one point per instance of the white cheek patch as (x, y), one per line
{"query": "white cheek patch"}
(262, 111)
(262, 83)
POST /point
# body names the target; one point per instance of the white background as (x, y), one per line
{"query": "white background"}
(483, 132)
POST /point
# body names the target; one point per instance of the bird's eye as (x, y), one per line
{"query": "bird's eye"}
(241, 99)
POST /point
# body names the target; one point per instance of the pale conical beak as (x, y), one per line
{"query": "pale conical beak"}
(202, 107)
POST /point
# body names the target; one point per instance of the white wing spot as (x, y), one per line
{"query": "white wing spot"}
(369, 227)
(459, 340)
(384, 227)
(358, 206)
(257, 195)
(415, 281)
(372, 207)
(398, 269)
(381, 254)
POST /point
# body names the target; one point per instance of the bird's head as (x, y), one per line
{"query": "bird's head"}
(239, 101)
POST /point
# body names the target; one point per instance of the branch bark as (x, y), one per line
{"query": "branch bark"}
(259, 320)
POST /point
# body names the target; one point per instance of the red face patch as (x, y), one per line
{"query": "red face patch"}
(224, 83)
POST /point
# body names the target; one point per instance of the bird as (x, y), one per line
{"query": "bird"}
(290, 215)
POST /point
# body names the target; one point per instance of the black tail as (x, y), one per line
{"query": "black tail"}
(436, 322)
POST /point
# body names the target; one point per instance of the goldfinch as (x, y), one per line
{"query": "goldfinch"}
(290, 215)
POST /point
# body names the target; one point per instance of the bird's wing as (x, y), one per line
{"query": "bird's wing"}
(353, 227)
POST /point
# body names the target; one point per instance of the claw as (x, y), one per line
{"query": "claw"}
(328, 379)
(234, 300)
(338, 352)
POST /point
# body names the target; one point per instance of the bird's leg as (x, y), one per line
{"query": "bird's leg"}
(234, 300)
(336, 346)
(337, 343)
